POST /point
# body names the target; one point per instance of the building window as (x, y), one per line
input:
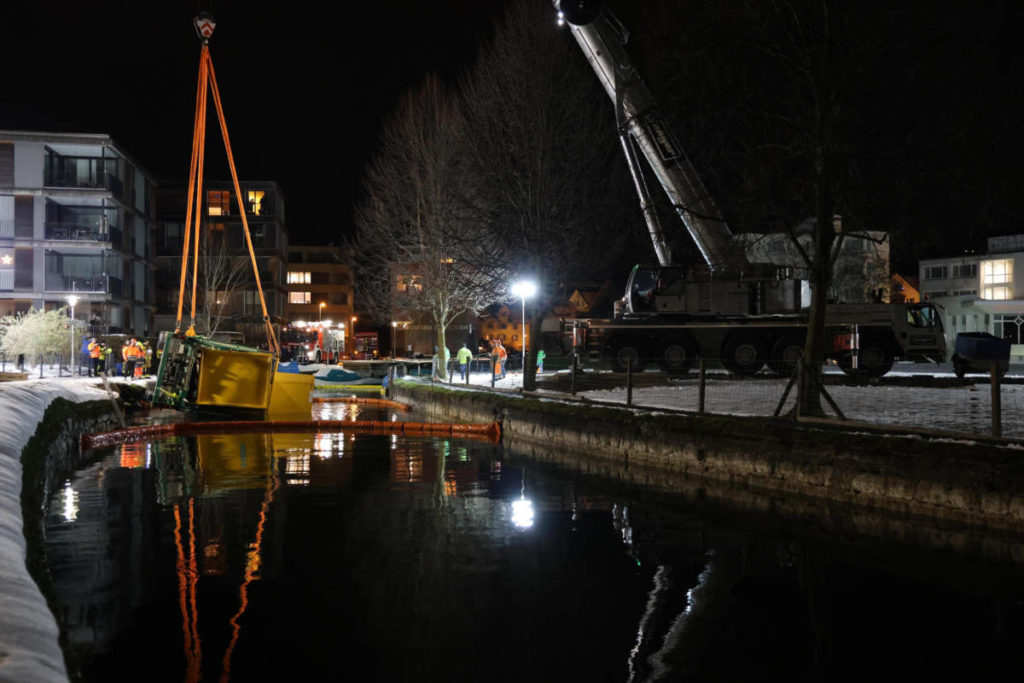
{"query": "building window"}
(300, 297)
(935, 272)
(299, 278)
(1008, 327)
(997, 279)
(255, 201)
(406, 283)
(218, 202)
(965, 270)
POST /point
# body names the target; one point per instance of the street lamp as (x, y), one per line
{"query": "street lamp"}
(320, 315)
(522, 290)
(72, 300)
(393, 326)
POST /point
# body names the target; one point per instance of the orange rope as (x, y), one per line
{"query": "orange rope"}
(271, 336)
(203, 83)
(191, 191)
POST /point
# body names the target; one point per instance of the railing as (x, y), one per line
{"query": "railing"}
(76, 232)
(984, 404)
(59, 282)
(6, 228)
(7, 280)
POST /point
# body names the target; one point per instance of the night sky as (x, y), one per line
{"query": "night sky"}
(305, 86)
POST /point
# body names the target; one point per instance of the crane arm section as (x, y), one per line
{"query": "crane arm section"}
(638, 116)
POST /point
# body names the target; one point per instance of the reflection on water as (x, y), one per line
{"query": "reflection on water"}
(331, 556)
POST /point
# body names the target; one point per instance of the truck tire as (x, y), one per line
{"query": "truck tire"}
(676, 355)
(786, 353)
(743, 354)
(624, 354)
(875, 360)
(959, 367)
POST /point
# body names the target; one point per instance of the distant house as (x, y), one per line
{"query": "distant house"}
(904, 290)
(861, 269)
(504, 323)
(979, 292)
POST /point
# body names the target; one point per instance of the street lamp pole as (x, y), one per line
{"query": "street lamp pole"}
(393, 326)
(522, 290)
(320, 313)
(72, 300)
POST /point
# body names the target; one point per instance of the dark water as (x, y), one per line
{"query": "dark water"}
(341, 557)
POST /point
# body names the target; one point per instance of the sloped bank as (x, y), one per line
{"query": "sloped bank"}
(977, 482)
(38, 446)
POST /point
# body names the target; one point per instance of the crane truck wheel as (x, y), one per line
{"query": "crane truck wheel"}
(786, 353)
(625, 355)
(874, 360)
(676, 355)
(743, 354)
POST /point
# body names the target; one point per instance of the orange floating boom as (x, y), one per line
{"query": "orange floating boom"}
(487, 432)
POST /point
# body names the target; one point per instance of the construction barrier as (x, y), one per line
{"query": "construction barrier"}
(487, 432)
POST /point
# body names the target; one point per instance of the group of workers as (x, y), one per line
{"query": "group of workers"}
(498, 355)
(136, 358)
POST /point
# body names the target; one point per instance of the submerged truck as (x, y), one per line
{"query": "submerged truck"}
(746, 315)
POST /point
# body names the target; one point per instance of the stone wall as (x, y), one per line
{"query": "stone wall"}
(38, 447)
(979, 482)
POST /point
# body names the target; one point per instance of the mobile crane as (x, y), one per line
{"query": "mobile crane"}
(748, 315)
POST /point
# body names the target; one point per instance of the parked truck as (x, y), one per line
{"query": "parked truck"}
(747, 315)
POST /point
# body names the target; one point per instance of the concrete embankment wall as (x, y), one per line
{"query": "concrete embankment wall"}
(978, 482)
(38, 418)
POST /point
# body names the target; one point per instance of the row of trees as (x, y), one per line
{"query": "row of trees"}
(511, 172)
(36, 333)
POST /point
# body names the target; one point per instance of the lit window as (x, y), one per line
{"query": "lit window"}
(255, 200)
(300, 297)
(405, 283)
(997, 279)
(299, 278)
(218, 202)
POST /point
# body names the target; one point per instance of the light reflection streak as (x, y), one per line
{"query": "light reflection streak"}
(252, 566)
(186, 598)
(70, 502)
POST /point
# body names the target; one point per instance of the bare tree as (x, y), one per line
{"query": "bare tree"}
(417, 248)
(223, 274)
(551, 185)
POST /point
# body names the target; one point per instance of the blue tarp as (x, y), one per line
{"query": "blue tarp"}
(292, 367)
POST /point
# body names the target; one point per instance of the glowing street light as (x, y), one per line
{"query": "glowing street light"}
(320, 314)
(393, 326)
(72, 300)
(522, 290)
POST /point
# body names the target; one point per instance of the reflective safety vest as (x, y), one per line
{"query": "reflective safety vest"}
(94, 350)
(132, 351)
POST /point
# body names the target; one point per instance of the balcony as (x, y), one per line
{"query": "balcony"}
(71, 177)
(96, 284)
(75, 232)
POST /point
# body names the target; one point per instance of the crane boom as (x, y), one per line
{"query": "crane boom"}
(642, 127)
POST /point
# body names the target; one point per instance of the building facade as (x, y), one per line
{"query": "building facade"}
(980, 292)
(319, 285)
(77, 219)
(227, 298)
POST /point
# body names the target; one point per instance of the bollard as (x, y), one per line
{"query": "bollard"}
(702, 383)
(629, 382)
(997, 407)
(572, 375)
(491, 366)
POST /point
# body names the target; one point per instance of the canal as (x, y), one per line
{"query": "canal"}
(327, 557)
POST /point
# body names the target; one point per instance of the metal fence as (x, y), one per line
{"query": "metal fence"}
(982, 404)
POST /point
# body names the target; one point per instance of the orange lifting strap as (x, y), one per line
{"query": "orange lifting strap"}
(193, 213)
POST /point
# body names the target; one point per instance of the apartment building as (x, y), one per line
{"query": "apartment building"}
(227, 298)
(76, 219)
(979, 292)
(320, 285)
